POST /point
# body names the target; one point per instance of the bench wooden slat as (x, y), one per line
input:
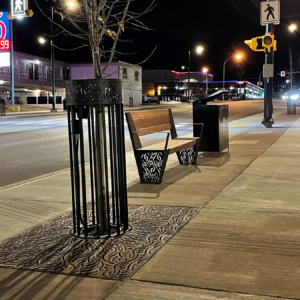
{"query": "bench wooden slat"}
(174, 145)
(149, 113)
(155, 129)
(151, 122)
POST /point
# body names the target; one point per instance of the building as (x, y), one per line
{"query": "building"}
(130, 74)
(33, 78)
(172, 85)
(237, 90)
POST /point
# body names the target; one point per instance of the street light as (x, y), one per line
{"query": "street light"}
(199, 50)
(238, 57)
(71, 4)
(42, 40)
(292, 27)
(205, 70)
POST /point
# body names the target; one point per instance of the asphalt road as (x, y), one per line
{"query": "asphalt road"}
(34, 146)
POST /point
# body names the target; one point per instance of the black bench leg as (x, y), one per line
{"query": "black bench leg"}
(188, 156)
(151, 165)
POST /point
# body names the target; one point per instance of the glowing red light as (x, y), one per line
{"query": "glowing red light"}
(5, 45)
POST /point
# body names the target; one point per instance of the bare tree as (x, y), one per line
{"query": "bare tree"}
(98, 24)
(292, 70)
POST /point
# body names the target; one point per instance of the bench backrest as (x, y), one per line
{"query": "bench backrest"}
(142, 122)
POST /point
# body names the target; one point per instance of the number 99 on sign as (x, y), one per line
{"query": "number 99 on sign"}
(4, 45)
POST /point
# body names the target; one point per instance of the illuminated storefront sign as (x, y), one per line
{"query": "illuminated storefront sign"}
(18, 8)
(4, 32)
(4, 59)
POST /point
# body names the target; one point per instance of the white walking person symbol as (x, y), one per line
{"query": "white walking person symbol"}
(18, 5)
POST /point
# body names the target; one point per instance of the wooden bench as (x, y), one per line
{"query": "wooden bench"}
(151, 160)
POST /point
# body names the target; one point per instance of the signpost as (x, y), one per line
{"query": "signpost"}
(269, 12)
(19, 8)
(269, 16)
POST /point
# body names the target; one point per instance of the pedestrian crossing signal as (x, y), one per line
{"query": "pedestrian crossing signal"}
(267, 41)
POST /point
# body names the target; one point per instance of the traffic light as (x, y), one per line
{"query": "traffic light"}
(268, 42)
(252, 44)
(29, 13)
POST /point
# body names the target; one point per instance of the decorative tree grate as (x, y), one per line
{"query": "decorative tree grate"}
(99, 101)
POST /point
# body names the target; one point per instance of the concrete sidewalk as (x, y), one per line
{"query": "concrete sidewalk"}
(243, 244)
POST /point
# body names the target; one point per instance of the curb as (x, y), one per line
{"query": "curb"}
(30, 114)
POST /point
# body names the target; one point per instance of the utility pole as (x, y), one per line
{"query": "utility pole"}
(12, 67)
(53, 109)
(291, 66)
(189, 76)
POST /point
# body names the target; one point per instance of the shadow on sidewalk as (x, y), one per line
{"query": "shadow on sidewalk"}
(171, 176)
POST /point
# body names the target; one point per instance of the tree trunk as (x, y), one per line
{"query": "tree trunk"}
(100, 160)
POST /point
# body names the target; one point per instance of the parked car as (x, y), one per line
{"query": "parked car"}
(150, 99)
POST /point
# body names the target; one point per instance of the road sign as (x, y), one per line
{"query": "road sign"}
(259, 83)
(18, 8)
(282, 73)
(4, 32)
(270, 12)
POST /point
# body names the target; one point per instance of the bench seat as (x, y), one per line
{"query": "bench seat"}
(151, 160)
(174, 145)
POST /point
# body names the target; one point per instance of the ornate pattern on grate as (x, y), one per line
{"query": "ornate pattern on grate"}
(51, 247)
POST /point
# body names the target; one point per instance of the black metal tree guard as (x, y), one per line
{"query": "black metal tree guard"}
(95, 101)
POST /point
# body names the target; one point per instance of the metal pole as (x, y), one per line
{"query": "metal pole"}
(12, 71)
(259, 77)
(224, 75)
(189, 76)
(268, 82)
(291, 67)
(53, 64)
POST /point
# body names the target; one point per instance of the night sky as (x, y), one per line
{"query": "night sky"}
(220, 26)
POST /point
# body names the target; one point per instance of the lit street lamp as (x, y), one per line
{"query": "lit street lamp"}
(292, 27)
(199, 50)
(238, 57)
(42, 40)
(205, 70)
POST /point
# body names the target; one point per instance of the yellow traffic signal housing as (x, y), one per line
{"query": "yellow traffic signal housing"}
(29, 13)
(268, 41)
(252, 44)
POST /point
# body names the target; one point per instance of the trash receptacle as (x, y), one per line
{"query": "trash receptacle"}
(291, 107)
(215, 135)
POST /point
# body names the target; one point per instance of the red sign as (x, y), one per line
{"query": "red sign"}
(4, 45)
(4, 32)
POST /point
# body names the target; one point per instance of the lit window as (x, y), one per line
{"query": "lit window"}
(136, 75)
(125, 73)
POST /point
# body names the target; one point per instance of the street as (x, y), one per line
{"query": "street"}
(35, 146)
